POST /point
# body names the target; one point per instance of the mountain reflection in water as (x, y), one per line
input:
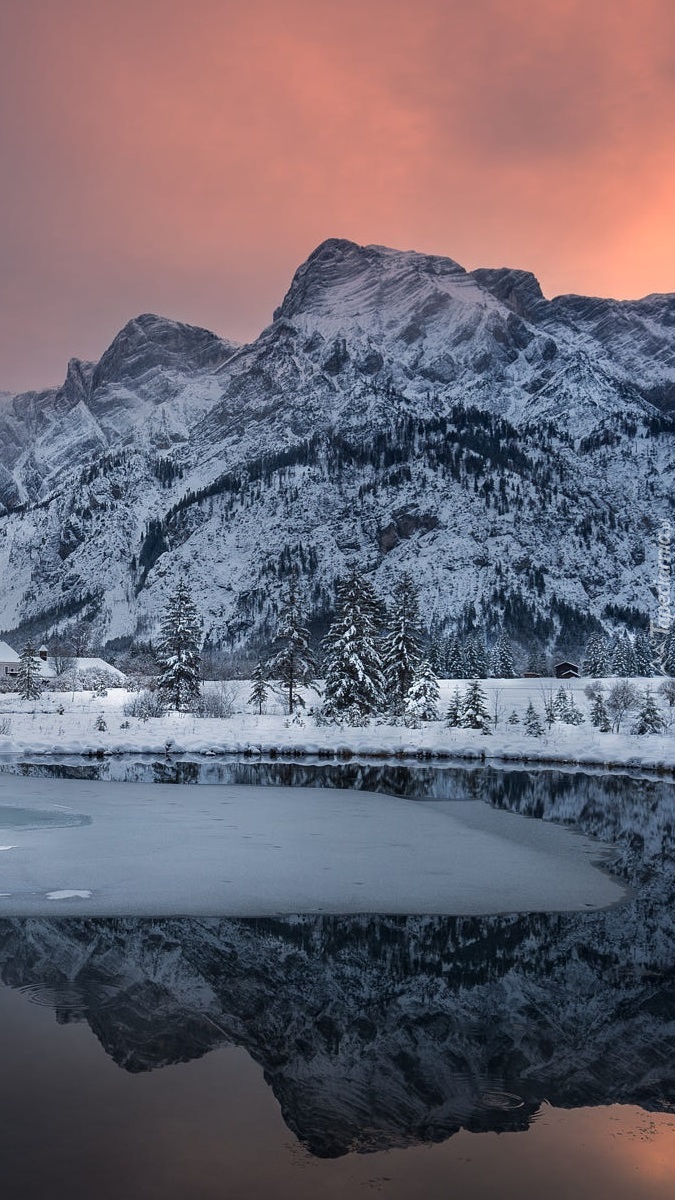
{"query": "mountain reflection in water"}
(376, 1032)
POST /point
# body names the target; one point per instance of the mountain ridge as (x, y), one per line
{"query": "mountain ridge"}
(398, 409)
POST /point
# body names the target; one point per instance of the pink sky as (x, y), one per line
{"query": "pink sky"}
(184, 158)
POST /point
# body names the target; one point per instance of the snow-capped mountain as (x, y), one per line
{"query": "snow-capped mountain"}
(515, 453)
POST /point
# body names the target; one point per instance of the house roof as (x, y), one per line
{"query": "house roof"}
(7, 655)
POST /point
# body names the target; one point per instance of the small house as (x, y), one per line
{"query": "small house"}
(566, 670)
(9, 660)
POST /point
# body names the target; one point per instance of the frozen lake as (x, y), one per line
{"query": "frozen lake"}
(338, 1054)
(104, 849)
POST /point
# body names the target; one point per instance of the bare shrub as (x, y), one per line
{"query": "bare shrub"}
(622, 698)
(667, 689)
(144, 705)
(216, 702)
(5, 726)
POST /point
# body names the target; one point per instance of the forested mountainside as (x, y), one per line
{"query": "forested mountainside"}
(514, 453)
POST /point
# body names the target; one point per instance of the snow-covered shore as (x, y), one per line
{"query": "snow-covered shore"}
(65, 723)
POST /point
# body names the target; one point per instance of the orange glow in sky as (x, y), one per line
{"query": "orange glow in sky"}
(184, 156)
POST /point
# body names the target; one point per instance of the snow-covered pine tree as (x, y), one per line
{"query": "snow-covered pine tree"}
(475, 713)
(561, 704)
(258, 693)
(423, 694)
(532, 722)
(29, 679)
(648, 719)
(513, 718)
(599, 715)
(178, 650)
(668, 656)
(293, 662)
(566, 709)
(454, 661)
(643, 653)
(454, 714)
(597, 659)
(436, 648)
(623, 658)
(501, 660)
(475, 657)
(402, 644)
(353, 676)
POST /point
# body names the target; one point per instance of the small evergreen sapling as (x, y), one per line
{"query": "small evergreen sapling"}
(532, 721)
(513, 718)
(454, 713)
(259, 689)
(565, 708)
(599, 715)
(475, 713)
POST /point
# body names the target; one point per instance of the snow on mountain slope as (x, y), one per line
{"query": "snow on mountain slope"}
(400, 411)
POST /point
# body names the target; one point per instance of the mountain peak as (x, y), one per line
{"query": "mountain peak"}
(343, 277)
(149, 341)
(518, 290)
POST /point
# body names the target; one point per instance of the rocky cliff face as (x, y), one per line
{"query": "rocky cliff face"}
(399, 410)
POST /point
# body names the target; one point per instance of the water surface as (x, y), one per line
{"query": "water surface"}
(513, 1055)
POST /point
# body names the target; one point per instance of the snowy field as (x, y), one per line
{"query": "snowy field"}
(38, 727)
(170, 850)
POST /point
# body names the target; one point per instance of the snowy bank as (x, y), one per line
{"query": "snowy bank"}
(66, 723)
(102, 849)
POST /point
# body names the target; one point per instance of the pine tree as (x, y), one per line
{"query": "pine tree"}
(29, 679)
(644, 655)
(402, 644)
(437, 653)
(475, 713)
(532, 722)
(454, 663)
(623, 659)
(668, 657)
(648, 718)
(178, 650)
(423, 694)
(258, 693)
(599, 714)
(293, 663)
(475, 657)
(597, 660)
(353, 675)
(501, 660)
(513, 719)
(454, 713)
(565, 709)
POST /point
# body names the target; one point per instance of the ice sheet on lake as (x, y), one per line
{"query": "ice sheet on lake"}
(165, 850)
